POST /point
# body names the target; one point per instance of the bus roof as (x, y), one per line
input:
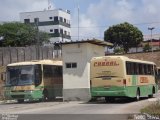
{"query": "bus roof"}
(33, 62)
(124, 58)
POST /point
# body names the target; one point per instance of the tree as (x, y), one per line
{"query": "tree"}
(19, 34)
(123, 35)
(147, 48)
(118, 50)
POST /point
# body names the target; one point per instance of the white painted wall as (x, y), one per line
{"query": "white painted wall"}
(81, 53)
(44, 15)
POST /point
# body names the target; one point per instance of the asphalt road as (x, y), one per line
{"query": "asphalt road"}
(59, 110)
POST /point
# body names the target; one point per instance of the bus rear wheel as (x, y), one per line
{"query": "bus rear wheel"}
(20, 100)
(137, 95)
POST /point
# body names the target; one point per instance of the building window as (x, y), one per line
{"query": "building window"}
(65, 20)
(36, 20)
(61, 19)
(71, 65)
(26, 21)
(50, 18)
(61, 31)
(51, 30)
(56, 31)
(56, 18)
(74, 65)
(65, 32)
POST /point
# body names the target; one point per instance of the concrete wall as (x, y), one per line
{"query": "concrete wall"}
(18, 54)
(76, 81)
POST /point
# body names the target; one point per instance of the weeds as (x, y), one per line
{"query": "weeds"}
(153, 109)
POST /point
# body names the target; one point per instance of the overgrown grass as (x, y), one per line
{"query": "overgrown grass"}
(152, 109)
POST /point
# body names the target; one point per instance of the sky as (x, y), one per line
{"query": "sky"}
(95, 16)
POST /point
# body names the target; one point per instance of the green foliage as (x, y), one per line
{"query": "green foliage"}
(118, 50)
(123, 35)
(147, 48)
(19, 34)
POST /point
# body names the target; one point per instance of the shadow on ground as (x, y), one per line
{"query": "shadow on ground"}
(116, 101)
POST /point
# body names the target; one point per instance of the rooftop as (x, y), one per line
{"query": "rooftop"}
(45, 10)
(93, 41)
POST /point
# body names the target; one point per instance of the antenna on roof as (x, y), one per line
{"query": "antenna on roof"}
(49, 5)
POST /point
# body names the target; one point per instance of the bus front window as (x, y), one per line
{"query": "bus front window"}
(20, 75)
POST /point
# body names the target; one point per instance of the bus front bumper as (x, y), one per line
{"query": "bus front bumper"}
(27, 94)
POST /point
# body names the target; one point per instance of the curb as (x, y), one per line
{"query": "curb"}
(1, 102)
(7, 101)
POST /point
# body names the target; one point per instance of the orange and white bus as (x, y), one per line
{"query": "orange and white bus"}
(119, 76)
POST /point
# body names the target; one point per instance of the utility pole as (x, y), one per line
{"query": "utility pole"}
(151, 28)
(37, 44)
(78, 21)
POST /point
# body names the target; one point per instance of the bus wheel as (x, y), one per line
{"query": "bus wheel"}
(45, 96)
(20, 100)
(137, 95)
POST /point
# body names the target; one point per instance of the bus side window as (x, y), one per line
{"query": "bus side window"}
(38, 75)
(128, 68)
(144, 67)
(152, 72)
(140, 69)
(135, 66)
(159, 73)
(155, 70)
(149, 69)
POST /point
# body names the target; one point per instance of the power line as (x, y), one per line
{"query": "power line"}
(102, 26)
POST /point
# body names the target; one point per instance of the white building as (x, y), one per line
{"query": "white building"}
(76, 58)
(55, 22)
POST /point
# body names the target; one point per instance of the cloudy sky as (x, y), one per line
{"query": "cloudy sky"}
(95, 15)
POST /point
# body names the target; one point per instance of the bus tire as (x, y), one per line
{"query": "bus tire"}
(45, 95)
(137, 98)
(20, 100)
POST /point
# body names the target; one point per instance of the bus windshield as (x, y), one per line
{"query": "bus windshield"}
(20, 75)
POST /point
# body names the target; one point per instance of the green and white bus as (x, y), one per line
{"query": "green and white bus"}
(34, 80)
(118, 76)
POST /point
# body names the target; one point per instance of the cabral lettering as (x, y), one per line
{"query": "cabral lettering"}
(144, 80)
(106, 63)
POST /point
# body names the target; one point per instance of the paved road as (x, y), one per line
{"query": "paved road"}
(76, 110)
